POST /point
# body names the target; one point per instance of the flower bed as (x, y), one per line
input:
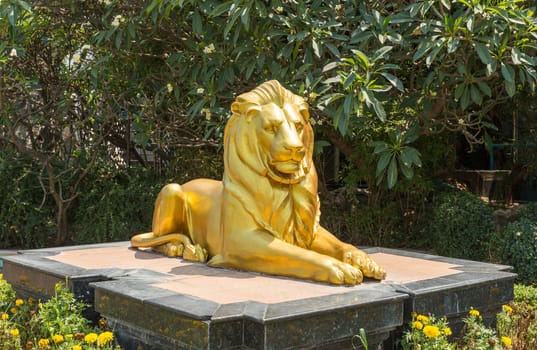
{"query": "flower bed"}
(55, 324)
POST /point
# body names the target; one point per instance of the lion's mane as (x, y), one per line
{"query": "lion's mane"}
(287, 206)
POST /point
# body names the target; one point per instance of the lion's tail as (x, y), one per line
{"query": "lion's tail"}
(149, 239)
(172, 245)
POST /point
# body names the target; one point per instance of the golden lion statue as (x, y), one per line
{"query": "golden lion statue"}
(264, 215)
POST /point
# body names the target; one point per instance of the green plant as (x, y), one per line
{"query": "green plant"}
(397, 154)
(526, 294)
(114, 205)
(460, 225)
(518, 323)
(362, 338)
(26, 212)
(427, 332)
(519, 243)
(478, 336)
(57, 324)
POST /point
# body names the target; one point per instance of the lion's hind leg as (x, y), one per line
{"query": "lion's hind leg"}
(172, 245)
(171, 227)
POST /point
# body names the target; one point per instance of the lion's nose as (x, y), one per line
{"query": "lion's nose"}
(297, 150)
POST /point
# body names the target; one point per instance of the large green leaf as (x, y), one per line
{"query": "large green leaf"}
(383, 163)
(392, 173)
(508, 72)
(483, 53)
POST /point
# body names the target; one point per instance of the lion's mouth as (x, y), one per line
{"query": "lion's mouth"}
(288, 167)
(286, 172)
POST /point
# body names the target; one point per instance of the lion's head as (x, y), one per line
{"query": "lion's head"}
(268, 148)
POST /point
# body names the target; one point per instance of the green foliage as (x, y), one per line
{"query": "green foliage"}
(26, 212)
(115, 80)
(62, 314)
(520, 248)
(460, 225)
(427, 332)
(114, 205)
(55, 324)
(379, 217)
(478, 336)
(397, 155)
(526, 294)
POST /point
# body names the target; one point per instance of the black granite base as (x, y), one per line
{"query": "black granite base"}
(151, 318)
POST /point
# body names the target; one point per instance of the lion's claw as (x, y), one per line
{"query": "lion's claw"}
(362, 261)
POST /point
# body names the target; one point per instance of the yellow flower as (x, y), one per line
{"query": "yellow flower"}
(14, 332)
(506, 341)
(422, 318)
(209, 49)
(508, 309)
(13, 310)
(5, 317)
(417, 325)
(117, 20)
(105, 338)
(19, 302)
(58, 338)
(431, 331)
(474, 312)
(447, 331)
(76, 347)
(91, 338)
(43, 343)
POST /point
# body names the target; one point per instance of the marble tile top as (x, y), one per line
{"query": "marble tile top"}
(225, 286)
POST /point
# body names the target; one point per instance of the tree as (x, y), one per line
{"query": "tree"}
(110, 80)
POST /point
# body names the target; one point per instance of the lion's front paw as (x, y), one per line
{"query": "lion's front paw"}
(342, 273)
(362, 261)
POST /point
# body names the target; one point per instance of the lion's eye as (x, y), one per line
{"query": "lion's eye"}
(272, 128)
(299, 127)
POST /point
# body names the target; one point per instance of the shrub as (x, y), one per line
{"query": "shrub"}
(115, 205)
(461, 225)
(27, 218)
(526, 294)
(520, 248)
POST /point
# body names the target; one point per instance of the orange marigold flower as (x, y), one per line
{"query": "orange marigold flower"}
(417, 325)
(431, 331)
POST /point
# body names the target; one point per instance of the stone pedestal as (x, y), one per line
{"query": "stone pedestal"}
(154, 302)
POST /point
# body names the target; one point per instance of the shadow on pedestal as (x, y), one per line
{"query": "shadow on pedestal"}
(153, 302)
